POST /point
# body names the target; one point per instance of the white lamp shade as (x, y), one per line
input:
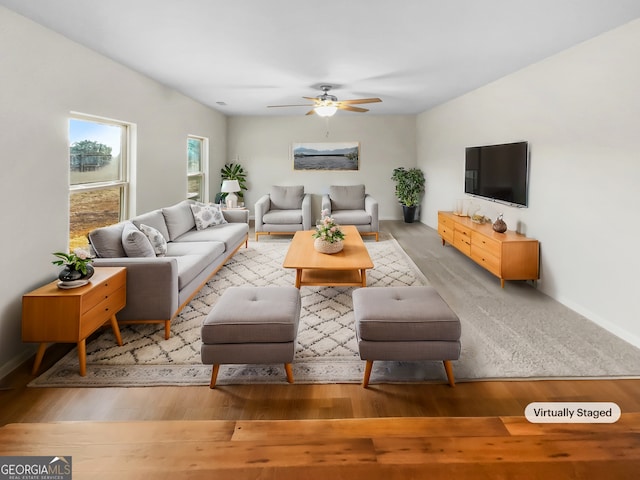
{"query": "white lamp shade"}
(326, 110)
(229, 186)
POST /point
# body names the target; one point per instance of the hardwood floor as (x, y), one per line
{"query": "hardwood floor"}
(475, 430)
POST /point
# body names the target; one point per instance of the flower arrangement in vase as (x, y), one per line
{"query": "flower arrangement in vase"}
(328, 235)
(77, 268)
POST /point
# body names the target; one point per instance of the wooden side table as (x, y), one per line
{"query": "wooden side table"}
(52, 314)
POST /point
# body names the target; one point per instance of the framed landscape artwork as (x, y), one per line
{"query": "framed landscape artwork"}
(326, 156)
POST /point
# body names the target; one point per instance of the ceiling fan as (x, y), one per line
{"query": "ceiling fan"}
(326, 105)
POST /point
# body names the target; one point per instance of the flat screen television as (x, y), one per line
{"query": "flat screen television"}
(499, 173)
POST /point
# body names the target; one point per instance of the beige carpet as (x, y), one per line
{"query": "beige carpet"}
(505, 334)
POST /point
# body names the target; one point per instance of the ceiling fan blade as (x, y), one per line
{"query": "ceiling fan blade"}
(352, 109)
(311, 112)
(361, 100)
(301, 105)
(313, 99)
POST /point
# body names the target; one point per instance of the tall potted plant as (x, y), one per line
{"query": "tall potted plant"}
(409, 189)
(233, 171)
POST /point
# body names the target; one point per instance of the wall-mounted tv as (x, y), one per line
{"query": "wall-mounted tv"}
(498, 172)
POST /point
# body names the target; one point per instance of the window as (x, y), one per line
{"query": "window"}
(197, 168)
(98, 176)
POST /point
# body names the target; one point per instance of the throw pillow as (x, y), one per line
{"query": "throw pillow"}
(156, 239)
(206, 215)
(135, 243)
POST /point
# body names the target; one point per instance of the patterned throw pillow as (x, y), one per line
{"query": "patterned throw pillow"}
(207, 215)
(158, 242)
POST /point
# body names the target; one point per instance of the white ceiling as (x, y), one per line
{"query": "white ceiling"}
(413, 54)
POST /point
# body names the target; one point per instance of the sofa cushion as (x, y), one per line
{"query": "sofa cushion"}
(346, 197)
(107, 241)
(193, 258)
(286, 197)
(206, 215)
(351, 217)
(136, 243)
(153, 219)
(157, 240)
(282, 217)
(179, 219)
(231, 234)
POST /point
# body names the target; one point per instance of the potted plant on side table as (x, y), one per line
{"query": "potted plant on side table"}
(409, 189)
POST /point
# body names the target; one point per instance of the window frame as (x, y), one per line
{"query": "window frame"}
(124, 180)
(203, 173)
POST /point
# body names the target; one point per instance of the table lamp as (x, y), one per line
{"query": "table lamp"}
(230, 187)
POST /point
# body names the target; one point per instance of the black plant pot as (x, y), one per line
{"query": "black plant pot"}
(409, 213)
(68, 274)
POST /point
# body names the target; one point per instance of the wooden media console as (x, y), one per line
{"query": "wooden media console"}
(509, 255)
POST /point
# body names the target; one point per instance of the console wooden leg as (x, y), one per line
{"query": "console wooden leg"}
(289, 370)
(367, 373)
(214, 375)
(449, 369)
(36, 364)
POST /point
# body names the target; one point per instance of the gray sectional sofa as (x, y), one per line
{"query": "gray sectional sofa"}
(170, 253)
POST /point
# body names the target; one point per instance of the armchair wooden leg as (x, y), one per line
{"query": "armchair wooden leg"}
(289, 370)
(367, 373)
(449, 369)
(214, 375)
(167, 329)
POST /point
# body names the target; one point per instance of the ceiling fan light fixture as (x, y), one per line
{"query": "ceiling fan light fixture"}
(327, 110)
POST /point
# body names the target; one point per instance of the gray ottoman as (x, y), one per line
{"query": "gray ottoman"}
(256, 325)
(405, 324)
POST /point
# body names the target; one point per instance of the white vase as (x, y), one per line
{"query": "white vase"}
(323, 246)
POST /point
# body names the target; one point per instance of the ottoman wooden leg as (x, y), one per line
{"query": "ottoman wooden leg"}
(367, 373)
(449, 369)
(289, 370)
(214, 375)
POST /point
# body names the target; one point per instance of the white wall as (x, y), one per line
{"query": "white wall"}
(263, 146)
(579, 110)
(43, 77)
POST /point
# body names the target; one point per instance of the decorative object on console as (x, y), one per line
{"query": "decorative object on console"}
(499, 225)
(328, 235)
(77, 268)
(230, 187)
(409, 189)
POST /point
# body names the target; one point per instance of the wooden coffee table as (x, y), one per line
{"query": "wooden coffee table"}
(345, 268)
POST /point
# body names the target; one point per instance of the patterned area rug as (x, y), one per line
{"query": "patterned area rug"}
(326, 349)
(511, 333)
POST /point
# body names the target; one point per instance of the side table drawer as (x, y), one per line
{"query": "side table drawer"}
(103, 311)
(102, 290)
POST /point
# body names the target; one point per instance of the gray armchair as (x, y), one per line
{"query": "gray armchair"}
(283, 211)
(350, 205)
